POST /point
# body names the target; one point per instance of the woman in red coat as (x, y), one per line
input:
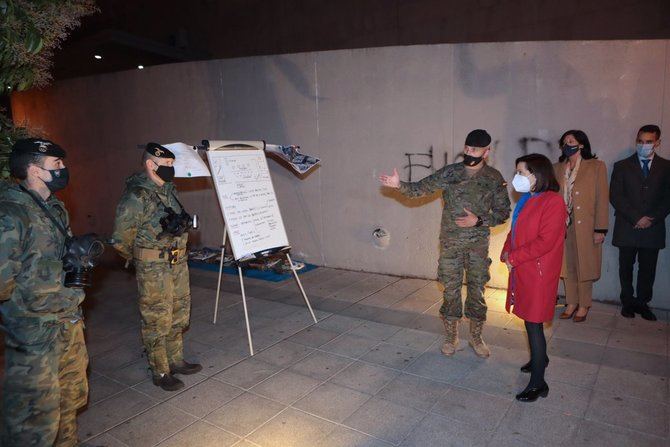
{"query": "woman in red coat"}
(533, 253)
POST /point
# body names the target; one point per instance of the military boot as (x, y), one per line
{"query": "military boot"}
(451, 337)
(168, 382)
(476, 341)
(185, 368)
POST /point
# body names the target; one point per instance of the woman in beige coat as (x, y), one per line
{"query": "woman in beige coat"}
(583, 181)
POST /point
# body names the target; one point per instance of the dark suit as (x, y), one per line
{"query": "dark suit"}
(634, 196)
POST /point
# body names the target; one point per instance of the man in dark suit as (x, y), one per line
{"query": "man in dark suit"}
(640, 194)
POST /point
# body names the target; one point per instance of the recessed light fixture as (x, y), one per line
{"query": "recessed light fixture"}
(140, 67)
(97, 56)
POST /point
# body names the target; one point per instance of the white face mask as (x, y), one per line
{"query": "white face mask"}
(521, 183)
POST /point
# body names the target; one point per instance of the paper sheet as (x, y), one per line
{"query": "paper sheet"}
(187, 162)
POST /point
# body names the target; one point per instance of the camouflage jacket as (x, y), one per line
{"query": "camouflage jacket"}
(138, 216)
(485, 194)
(31, 248)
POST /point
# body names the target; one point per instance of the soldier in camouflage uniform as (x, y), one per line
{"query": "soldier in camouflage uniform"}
(475, 199)
(45, 355)
(160, 264)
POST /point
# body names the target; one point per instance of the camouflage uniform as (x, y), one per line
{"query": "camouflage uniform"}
(485, 194)
(165, 296)
(45, 355)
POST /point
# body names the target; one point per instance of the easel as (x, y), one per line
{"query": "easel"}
(244, 296)
(281, 246)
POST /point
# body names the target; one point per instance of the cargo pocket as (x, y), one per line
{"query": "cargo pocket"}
(29, 334)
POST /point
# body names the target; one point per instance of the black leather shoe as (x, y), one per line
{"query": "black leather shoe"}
(168, 382)
(185, 368)
(646, 313)
(531, 394)
(627, 312)
(526, 368)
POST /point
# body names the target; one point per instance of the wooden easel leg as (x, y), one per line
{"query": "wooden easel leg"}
(302, 290)
(246, 313)
(218, 284)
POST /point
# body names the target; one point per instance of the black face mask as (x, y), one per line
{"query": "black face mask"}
(59, 179)
(469, 160)
(166, 173)
(569, 151)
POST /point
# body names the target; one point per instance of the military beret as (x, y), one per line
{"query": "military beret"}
(159, 151)
(38, 146)
(478, 138)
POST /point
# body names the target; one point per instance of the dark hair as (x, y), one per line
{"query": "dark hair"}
(650, 128)
(19, 162)
(540, 166)
(146, 156)
(582, 139)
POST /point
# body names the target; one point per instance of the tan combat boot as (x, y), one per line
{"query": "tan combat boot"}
(476, 341)
(451, 338)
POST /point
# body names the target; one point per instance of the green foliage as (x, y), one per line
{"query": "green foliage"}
(9, 133)
(30, 32)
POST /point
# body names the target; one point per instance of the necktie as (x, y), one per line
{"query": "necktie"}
(645, 168)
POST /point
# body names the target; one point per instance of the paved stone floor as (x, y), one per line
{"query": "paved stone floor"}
(369, 373)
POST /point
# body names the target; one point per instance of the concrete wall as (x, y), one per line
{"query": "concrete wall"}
(360, 111)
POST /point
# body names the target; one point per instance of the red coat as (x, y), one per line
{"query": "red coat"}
(536, 255)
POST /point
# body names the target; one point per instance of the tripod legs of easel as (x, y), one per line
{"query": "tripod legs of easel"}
(246, 312)
(244, 295)
(218, 284)
(302, 290)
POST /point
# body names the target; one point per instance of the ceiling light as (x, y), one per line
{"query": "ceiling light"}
(97, 56)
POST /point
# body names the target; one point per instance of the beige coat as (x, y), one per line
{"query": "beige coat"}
(590, 212)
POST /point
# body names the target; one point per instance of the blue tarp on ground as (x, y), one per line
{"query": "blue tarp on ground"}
(250, 273)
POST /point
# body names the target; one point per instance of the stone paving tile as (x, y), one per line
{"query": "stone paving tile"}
(248, 373)
(472, 407)
(244, 414)
(384, 420)
(391, 356)
(437, 431)
(332, 402)
(292, 428)
(350, 346)
(201, 434)
(364, 377)
(153, 426)
(531, 424)
(629, 412)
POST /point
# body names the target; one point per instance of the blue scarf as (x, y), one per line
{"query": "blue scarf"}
(517, 209)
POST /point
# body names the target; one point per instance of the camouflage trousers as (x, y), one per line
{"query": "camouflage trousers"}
(470, 254)
(165, 306)
(45, 382)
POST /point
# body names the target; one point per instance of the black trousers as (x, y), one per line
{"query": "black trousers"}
(646, 274)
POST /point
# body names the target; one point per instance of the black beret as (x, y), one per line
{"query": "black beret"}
(478, 138)
(159, 151)
(38, 146)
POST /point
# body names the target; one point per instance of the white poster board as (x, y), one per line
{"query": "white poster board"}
(187, 163)
(247, 197)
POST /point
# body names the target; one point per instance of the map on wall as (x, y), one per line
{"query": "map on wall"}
(247, 198)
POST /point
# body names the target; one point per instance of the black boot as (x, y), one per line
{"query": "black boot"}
(646, 313)
(531, 394)
(185, 368)
(526, 368)
(168, 382)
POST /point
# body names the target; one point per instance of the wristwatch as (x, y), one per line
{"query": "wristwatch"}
(480, 222)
